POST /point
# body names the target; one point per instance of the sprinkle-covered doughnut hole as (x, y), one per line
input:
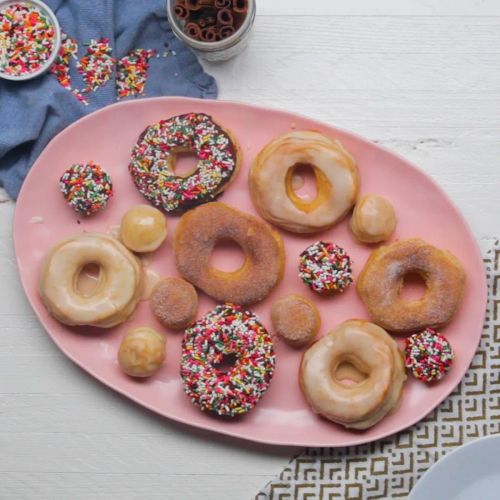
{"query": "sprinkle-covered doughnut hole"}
(325, 267)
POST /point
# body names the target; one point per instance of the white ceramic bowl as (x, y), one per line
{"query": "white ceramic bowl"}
(57, 43)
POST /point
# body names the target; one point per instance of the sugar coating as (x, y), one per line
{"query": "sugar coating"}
(174, 302)
(198, 232)
(295, 319)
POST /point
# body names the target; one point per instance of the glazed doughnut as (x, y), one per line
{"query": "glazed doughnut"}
(152, 164)
(142, 352)
(174, 302)
(118, 289)
(143, 229)
(381, 281)
(373, 219)
(198, 232)
(371, 351)
(227, 330)
(295, 319)
(272, 172)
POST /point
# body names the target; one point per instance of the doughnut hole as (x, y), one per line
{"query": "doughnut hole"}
(88, 279)
(143, 229)
(227, 362)
(348, 372)
(184, 163)
(227, 256)
(307, 186)
(142, 352)
(413, 286)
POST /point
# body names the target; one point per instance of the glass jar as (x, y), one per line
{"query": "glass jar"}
(221, 50)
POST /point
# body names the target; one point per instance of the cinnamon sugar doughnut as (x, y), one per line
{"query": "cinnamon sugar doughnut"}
(372, 352)
(198, 232)
(295, 319)
(380, 283)
(174, 302)
(272, 187)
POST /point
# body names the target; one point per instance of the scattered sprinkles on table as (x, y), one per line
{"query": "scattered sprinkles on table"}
(61, 69)
(132, 71)
(27, 38)
(97, 65)
(86, 188)
(227, 329)
(325, 267)
(153, 159)
(428, 355)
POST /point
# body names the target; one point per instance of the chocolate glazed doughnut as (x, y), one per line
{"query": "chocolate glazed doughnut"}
(380, 283)
(198, 232)
(153, 159)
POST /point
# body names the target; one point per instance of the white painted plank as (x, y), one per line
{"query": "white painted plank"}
(128, 486)
(379, 8)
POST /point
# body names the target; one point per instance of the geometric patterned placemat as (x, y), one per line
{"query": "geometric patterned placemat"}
(389, 468)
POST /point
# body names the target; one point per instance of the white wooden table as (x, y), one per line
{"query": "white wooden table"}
(421, 77)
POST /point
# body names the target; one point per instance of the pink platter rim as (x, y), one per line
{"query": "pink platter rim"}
(326, 434)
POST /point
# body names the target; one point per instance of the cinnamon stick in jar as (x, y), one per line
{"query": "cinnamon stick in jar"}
(208, 35)
(226, 32)
(193, 30)
(198, 4)
(225, 17)
(240, 6)
(181, 10)
(222, 4)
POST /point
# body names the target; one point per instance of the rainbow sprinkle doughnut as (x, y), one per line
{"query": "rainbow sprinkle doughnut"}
(227, 330)
(86, 188)
(428, 355)
(152, 165)
(325, 268)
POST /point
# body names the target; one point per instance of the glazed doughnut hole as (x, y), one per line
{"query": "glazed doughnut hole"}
(373, 219)
(142, 352)
(143, 229)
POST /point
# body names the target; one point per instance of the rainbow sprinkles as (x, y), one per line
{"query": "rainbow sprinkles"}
(27, 39)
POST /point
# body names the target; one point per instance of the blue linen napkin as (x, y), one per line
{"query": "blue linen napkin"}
(34, 111)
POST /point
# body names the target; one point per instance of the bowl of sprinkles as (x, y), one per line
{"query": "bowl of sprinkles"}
(30, 38)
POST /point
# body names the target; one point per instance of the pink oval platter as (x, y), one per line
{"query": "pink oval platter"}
(282, 417)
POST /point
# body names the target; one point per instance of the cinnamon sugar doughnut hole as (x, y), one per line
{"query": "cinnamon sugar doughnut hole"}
(295, 319)
(174, 303)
